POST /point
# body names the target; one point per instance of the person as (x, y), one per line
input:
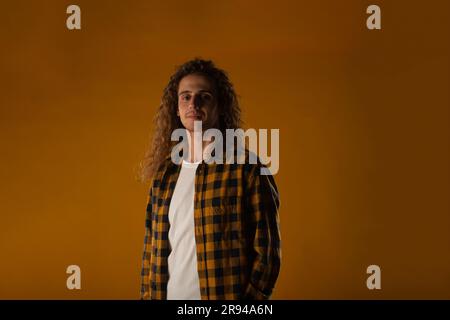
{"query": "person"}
(211, 229)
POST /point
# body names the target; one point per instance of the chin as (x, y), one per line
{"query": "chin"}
(189, 125)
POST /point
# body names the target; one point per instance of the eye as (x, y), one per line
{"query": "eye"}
(206, 97)
(185, 97)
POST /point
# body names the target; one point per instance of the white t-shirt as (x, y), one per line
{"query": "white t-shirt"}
(183, 281)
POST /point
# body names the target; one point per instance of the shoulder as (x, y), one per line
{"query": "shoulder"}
(248, 163)
(166, 168)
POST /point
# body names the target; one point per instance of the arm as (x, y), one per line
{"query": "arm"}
(262, 205)
(145, 272)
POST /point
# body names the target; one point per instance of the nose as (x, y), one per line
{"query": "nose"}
(196, 101)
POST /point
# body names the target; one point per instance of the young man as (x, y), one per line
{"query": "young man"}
(212, 229)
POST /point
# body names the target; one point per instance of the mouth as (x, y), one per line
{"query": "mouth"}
(194, 116)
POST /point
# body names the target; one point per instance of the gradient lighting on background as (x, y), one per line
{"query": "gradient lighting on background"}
(364, 138)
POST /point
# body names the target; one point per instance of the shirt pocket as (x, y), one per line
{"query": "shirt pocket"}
(222, 221)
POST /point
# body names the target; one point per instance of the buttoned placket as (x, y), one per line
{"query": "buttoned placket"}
(199, 182)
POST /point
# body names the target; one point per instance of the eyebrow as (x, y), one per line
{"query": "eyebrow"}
(188, 91)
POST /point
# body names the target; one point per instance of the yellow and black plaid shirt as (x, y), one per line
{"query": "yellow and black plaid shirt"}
(236, 231)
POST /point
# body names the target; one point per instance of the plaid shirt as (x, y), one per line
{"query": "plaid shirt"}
(236, 232)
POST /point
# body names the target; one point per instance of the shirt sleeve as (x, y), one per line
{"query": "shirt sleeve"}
(262, 207)
(145, 271)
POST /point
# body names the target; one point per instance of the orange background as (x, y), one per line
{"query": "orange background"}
(364, 131)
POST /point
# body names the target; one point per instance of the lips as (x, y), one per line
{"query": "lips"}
(194, 116)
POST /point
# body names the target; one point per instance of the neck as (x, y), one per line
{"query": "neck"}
(196, 155)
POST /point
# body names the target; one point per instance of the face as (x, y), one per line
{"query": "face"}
(197, 101)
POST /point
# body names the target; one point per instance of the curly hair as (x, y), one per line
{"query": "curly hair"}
(166, 119)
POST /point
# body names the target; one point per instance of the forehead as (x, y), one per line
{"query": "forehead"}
(194, 83)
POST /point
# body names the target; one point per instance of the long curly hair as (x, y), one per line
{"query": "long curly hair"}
(166, 119)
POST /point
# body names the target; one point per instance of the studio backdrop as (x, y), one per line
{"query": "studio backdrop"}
(361, 103)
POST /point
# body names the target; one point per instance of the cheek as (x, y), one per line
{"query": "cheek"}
(180, 109)
(215, 114)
